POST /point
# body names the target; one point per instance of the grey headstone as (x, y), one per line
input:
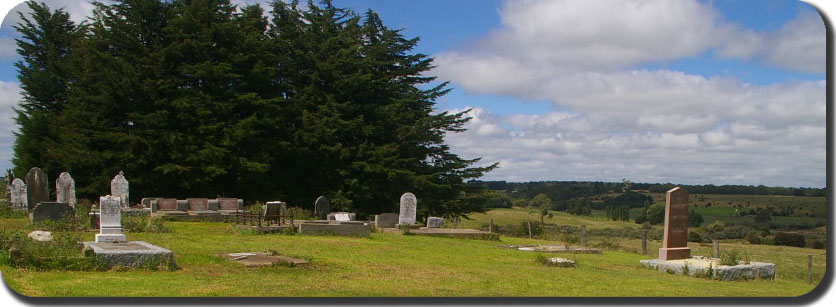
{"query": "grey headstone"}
(409, 205)
(51, 211)
(274, 208)
(17, 195)
(435, 222)
(37, 187)
(322, 207)
(65, 189)
(110, 220)
(386, 220)
(119, 188)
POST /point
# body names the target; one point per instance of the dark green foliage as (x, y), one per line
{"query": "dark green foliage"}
(579, 207)
(203, 98)
(763, 215)
(63, 253)
(694, 219)
(694, 236)
(619, 212)
(731, 257)
(631, 199)
(753, 237)
(656, 213)
(790, 239)
(564, 190)
(818, 244)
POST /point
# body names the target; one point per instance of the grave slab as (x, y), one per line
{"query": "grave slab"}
(136, 254)
(259, 259)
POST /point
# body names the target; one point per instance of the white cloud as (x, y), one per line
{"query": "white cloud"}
(79, 10)
(7, 48)
(9, 97)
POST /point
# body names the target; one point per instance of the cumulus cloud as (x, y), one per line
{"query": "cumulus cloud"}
(10, 96)
(79, 10)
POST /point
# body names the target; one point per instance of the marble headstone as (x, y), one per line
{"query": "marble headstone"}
(322, 207)
(409, 205)
(675, 242)
(435, 222)
(119, 188)
(65, 189)
(17, 195)
(110, 222)
(37, 187)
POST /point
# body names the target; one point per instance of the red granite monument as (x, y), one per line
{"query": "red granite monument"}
(675, 243)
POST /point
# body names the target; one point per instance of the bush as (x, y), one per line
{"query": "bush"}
(732, 257)
(694, 236)
(753, 238)
(63, 253)
(818, 244)
(790, 239)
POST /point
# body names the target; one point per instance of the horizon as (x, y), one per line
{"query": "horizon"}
(725, 92)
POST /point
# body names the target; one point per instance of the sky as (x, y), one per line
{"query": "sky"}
(689, 92)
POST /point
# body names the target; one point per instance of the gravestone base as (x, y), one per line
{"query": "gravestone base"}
(674, 253)
(710, 268)
(137, 254)
(110, 238)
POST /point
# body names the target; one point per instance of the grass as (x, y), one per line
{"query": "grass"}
(515, 216)
(387, 265)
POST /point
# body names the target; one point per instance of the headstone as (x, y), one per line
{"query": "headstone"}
(17, 195)
(110, 221)
(409, 205)
(228, 204)
(385, 220)
(51, 211)
(341, 216)
(435, 222)
(119, 188)
(322, 207)
(675, 242)
(167, 204)
(65, 189)
(198, 204)
(37, 189)
(273, 210)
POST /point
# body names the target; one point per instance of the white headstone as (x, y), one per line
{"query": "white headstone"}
(409, 205)
(65, 189)
(119, 188)
(435, 222)
(110, 220)
(18, 195)
(342, 217)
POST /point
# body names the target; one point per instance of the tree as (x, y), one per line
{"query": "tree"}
(541, 201)
(694, 219)
(656, 213)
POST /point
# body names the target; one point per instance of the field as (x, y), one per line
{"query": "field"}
(395, 265)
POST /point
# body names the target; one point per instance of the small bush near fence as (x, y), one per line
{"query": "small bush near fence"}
(63, 253)
(790, 239)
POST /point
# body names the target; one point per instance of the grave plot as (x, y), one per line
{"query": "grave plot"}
(555, 249)
(261, 259)
(675, 256)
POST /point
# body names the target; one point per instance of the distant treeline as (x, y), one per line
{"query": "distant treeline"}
(564, 190)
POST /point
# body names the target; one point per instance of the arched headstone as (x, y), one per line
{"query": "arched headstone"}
(65, 189)
(37, 187)
(409, 204)
(17, 195)
(322, 207)
(119, 188)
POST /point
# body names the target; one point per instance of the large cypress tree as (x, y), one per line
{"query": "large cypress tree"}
(201, 98)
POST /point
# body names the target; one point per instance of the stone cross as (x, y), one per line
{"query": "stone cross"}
(110, 220)
(322, 207)
(65, 189)
(409, 205)
(119, 188)
(37, 187)
(17, 195)
(675, 243)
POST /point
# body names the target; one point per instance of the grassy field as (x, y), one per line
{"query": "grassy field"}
(390, 265)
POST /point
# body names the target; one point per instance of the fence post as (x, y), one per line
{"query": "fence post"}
(490, 227)
(716, 248)
(809, 268)
(529, 230)
(583, 236)
(644, 241)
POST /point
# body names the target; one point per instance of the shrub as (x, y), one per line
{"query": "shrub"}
(694, 236)
(818, 244)
(753, 238)
(63, 253)
(732, 257)
(790, 239)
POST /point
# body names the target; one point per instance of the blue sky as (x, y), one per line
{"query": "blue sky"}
(695, 92)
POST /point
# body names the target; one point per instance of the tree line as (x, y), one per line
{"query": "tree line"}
(202, 98)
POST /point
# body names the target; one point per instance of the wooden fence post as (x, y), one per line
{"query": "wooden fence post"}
(809, 268)
(644, 241)
(583, 236)
(529, 230)
(716, 248)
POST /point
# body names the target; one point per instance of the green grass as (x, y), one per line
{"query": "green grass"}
(515, 216)
(388, 265)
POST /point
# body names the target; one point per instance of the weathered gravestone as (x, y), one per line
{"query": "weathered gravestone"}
(51, 211)
(273, 211)
(37, 189)
(110, 221)
(198, 204)
(119, 188)
(322, 207)
(167, 204)
(341, 216)
(675, 242)
(17, 195)
(409, 205)
(385, 220)
(65, 189)
(435, 222)
(230, 204)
